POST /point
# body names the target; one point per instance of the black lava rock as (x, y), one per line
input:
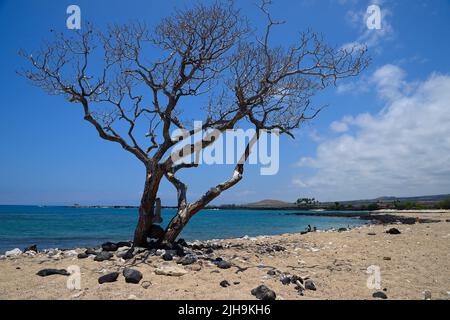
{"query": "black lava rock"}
(224, 264)
(83, 255)
(102, 256)
(31, 248)
(209, 251)
(132, 275)
(182, 243)
(91, 251)
(342, 229)
(224, 283)
(167, 257)
(285, 280)
(278, 248)
(128, 255)
(124, 244)
(264, 293)
(309, 285)
(109, 246)
(393, 231)
(50, 272)
(380, 295)
(110, 277)
(271, 272)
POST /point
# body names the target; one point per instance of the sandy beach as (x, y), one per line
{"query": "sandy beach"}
(411, 263)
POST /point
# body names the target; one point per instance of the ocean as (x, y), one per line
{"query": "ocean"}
(65, 227)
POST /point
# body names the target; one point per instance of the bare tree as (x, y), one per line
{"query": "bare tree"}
(132, 81)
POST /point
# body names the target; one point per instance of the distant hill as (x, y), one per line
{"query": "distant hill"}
(269, 203)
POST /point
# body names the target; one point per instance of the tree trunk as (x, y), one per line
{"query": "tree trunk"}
(176, 226)
(146, 210)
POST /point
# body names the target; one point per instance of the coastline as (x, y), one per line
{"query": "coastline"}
(412, 262)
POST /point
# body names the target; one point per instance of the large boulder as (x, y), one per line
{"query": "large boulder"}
(132, 275)
(110, 277)
(102, 256)
(13, 253)
(264, 293)
(109, 246)
(50, 272)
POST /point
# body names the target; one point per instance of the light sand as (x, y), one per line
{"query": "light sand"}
(336, 262)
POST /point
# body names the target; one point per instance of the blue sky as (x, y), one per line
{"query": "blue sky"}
(384, 133)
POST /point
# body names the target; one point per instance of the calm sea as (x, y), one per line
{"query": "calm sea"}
(62, 227)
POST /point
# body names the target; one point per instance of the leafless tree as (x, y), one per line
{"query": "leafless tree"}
(131, 82)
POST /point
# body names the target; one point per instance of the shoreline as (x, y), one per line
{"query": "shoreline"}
(411, 262)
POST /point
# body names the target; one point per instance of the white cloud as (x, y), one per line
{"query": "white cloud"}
(339, 126)
(403, 150)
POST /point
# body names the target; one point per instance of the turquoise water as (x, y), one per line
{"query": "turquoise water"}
(63, 227)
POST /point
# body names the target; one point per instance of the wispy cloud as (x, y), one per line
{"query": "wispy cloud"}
(402, 150)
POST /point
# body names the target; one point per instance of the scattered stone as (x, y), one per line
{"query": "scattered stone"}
(169, 270)
(160, 252)
(182, 243)
(278, 248)
(110, 277)
(342, 229)
(427, 294)
(264, 293)
(379, 295)
(309, 285)
(83, 255)
(167, 257)
(102, 256)
(50, 272)
(271, 272)
(13, 253)
(122, 244)
(31, 248)
(387, 258)
(187, 260)
(371, 234)
(132, 275)
(285, 280)
(146, 284)
(109, 246)
(236, 283)
(209, 251)
(224, 283)
(224, 264)
(393, 231)
(91, 251)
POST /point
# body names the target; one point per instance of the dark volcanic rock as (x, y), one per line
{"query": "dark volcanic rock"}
(167, 257)
(91, 251)
(285, 280)
(31, 248)
(393, 231)
(102, 256)
(132, 275)
(187, 260)
(224, 283)
(156, 232)
(124, 244)
(264, 293)
(224, 265)
(209, 251)
(83, 255)
(271, 272)
(182, 243)
(342, 229)
(278, 248)
(50, 272)
(380, 295)
(110, 277)
(309, 285)
(109, 246)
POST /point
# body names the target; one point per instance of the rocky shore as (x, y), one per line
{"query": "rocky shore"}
(410, 250)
